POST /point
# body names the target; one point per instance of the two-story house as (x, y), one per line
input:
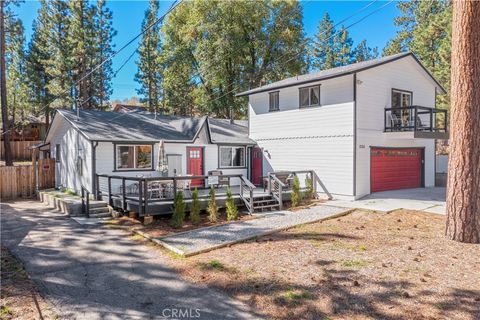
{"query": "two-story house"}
(366, 127)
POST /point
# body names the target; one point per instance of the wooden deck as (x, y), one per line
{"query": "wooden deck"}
(165, 206)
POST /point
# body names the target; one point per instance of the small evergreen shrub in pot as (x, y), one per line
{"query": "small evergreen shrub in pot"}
(296, 196)
(178, 211)
(212, 207)
(232, 210)
(195, 208)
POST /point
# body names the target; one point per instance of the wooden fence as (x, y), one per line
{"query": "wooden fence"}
(20, 149)
(20, 181)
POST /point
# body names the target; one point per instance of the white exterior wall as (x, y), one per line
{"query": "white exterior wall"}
(105, 158)
(374, 88)
(318, 138)
(74, 148)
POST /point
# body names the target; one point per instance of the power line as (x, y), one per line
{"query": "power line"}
(160, 19)
(346, 28)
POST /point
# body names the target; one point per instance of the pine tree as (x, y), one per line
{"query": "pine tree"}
(344, 48)
(195, 208)
(212, 207)
(149, 74)
(39, 54)
(104, 33)
(364, 53)
(178, 211)
(16, 72)
(324, 55)
(232, 210)
(82, 40)
(296, 195)
(58, 65)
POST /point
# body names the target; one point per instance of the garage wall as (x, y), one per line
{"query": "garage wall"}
(373, 96)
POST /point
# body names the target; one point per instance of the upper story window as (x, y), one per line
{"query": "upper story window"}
(309, 96)
(274, 101)
(401, 98)
(134, 157)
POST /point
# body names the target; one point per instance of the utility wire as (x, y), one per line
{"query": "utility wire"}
(175, 4)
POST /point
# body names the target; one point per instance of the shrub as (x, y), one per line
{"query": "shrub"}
(232, 210)
(195, 208)
(178, 211)
(212, 207)
(309, 187)
(296, 196)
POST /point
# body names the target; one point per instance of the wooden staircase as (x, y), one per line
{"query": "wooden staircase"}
(257, 202)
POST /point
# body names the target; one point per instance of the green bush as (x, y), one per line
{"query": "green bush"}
(296, 196)
(195, 208)
(232, 210)
(309, 187)
(178, 211)
(212, 207)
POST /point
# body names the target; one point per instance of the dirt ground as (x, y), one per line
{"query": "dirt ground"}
(19, 297)
(365, 265)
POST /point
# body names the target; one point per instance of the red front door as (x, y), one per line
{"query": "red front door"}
(257, 172)
(195, 165)
(392, 169)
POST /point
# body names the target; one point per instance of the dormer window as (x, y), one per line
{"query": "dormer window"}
(274, 101)
(309, 96)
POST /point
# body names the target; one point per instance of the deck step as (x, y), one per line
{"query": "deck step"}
(267, 201)
(97, 204)
(272, 206)
(99, 210)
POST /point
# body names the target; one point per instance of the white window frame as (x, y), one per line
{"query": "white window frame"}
(231, 148)
(277, 101)
(309, 96)
(135, 163)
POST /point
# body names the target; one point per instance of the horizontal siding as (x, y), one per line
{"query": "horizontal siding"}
(373, 96)
(331, 158)
(333, 91)
(329, 120)
(73, 147)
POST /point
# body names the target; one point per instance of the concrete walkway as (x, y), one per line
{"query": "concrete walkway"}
(206, 239)
(92, 272)
(430, 199)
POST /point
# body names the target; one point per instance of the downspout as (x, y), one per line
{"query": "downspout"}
(94, 167)
(354, 135)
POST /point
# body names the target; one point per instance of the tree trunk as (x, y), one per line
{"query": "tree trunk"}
(3, 91)
(463, 195)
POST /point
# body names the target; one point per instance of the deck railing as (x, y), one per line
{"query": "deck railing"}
(414, 118)
(147, 190)
(247, 187)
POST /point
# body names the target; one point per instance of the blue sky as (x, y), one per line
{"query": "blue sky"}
(128, 15)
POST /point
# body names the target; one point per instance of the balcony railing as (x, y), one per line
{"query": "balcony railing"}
(416, 119)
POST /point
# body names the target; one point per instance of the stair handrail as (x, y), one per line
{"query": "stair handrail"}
(244, 182)
(85, 201)
(278, 195)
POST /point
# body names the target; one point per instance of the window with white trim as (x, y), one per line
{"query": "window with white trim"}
(309, 96)
(274, 101)
(232, 157)
(136, 157)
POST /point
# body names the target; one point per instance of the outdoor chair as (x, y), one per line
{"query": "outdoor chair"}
(184, 185)
(395, 122)
(155, 190)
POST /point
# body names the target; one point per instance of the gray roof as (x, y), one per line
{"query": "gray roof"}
(99, 125)
(222, 131)
(335, 72)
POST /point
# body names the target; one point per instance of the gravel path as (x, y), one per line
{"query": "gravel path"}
(206, 239)
(93, 272)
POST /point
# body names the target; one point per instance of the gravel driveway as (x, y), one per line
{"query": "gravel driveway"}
(92, 272)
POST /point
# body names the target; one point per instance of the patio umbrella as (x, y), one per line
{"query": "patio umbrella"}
(162, 165)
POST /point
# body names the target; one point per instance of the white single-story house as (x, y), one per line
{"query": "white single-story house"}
(366, 127)
(94, 142)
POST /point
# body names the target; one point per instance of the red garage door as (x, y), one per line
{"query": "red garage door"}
(392, 169)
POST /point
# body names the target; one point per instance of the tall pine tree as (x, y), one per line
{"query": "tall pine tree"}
(149, 74)
(344, 48)
(324, 49)
(364, 53)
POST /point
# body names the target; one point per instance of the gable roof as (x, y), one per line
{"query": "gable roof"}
(222, 131)
(119, 107)
(337, 72)
(98, 125)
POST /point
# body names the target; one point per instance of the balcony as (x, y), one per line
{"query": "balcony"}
(416, 122)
